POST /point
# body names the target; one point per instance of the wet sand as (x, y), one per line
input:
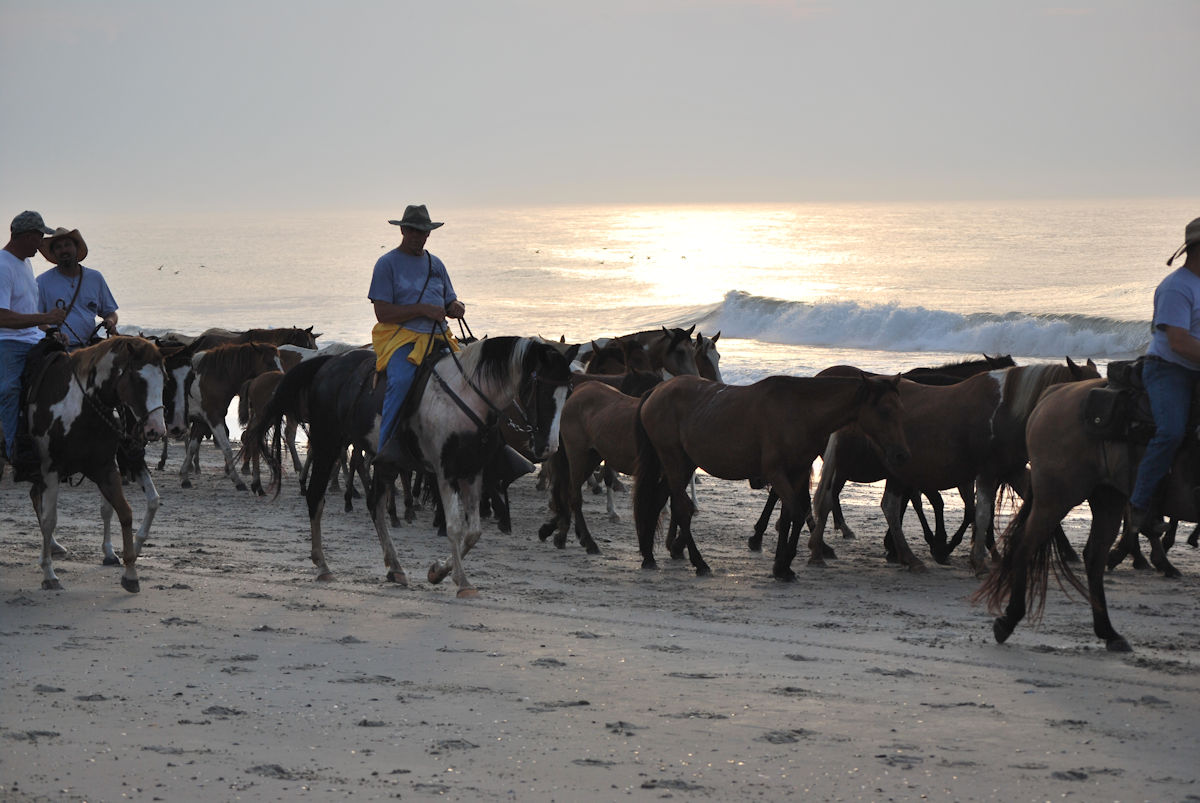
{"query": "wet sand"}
(234, 675)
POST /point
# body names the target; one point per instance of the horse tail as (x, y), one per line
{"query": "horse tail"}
(244, 403)
(1034, 561)
(290, 398)
(650, 490)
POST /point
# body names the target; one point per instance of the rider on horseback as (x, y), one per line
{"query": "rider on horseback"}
(79, 290)
(413, 297)
(1170, 371)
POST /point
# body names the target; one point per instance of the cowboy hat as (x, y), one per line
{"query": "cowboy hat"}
(47, 244)
(416, 216)
(1190, 235)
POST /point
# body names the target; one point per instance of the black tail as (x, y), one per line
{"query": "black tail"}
(650, 491)
(290, 398)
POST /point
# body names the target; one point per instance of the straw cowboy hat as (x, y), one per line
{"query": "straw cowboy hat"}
(416, 216)
(1190, 235)
(59, 233)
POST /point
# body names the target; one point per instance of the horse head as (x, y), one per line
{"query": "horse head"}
(675, 353)
(545, 381)
(707, 357)
(881, 417)
(128, 372)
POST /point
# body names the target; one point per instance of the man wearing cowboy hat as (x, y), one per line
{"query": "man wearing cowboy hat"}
(81, 291)
(1169, 371)
(19, 322)
(412, 296)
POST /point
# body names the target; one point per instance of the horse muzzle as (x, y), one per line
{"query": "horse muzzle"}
(155, 428)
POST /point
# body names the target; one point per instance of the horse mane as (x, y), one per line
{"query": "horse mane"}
(1023, 386)
(232, 357)
(85, 360)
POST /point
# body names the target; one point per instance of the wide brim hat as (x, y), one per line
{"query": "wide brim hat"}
(59, 233)
(1191, 235)
(416, 216)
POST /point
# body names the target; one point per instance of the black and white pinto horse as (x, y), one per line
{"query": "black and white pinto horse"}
(454, 425)
(81, 409)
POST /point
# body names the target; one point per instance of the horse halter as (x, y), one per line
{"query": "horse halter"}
(529, 428)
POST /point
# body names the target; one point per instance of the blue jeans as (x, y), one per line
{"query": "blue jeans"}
(1169, 387)
(400, 373)
(12, 363)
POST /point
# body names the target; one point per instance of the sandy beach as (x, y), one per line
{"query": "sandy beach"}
(234, 675)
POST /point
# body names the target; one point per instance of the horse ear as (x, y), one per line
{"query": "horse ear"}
(562, 339)
(715, 337)
(1092, 365)
(689, 331)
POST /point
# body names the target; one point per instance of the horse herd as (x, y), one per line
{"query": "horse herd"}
(650, 404)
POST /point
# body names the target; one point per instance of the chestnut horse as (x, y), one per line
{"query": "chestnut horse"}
(773, 429)
(1067, 467)
(667, 351)
(972, 432)
(81, 410)
(290, 335)
(217, 376)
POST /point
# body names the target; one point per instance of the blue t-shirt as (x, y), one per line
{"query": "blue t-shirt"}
(399, 278)
(94, 301)
(1176, 303)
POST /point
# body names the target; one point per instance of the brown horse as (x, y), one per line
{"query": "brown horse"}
(1067, 466)
(598, 425)
(667, 351)
(289, 336)
(708, 359)
(773, 429)
(217, 376)
(972, 432)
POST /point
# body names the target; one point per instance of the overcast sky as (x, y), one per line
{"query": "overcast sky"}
(156, 104)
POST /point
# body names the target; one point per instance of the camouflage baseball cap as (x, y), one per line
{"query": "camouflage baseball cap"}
(29, 221)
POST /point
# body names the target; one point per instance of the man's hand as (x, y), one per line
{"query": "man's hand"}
(54, 317)
(456, 309)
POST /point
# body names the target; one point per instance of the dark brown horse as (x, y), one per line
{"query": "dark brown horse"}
(940, 543)
(289, 336)
(1067, 467)
(972, 432)
(669, 352)
(78, 407)
(773, 429)
(217, 376)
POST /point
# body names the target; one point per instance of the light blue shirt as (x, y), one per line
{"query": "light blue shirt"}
(1176, 303)
(94, 301)
(18, 293)
(399, 278)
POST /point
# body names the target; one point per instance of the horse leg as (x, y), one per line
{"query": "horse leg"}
(406, 483)
(45, 505)
(681, 514)
(1108, 508)
(1168, 538)
(795, 504)
(378, 495)
(578, 468)
(986, 488)
(894, 503)
(764, 519)
(162, 461)
(1194, 539)
(106, 514)
(153, 502)
(191, 451)
(611, 486)
(222, 440)
(462, 531)
(321, 465)
(109, 481)
(839, 518)
(1127, 545)
(1158, 554)
(290, 440)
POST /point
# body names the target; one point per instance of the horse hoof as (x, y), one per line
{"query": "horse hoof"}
(560, 541)
(703, 571)
(52, 585)
(434, 576)
(592, 549)
(676, 555)
(545, 531)
(941, 560)
(827, 552)
(399, 578)
(110, 562)
(467, 593)
(918, 567)
(185, 484)
(786, 575)
(816, 560)
(1118, 644)
(241, 486)
(58, 552)
(1171, 573)
(324, 577)
(1001, 630)
(754, 543)
(132, 586)
(649, 563)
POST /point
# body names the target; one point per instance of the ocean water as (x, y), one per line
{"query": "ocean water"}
(792, 288)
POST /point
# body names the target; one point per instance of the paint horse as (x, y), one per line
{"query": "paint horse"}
(773, 429)
(1068, 466)
(217, 376)
(972, 432)
(453, 426)
(81, 408)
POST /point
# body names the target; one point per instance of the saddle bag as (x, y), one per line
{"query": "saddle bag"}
(1106, 413)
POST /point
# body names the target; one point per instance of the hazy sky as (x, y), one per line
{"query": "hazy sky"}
(157, 104)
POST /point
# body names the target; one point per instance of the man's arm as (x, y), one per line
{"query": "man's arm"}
(22, 320)
(1182, 343)
(387, 312)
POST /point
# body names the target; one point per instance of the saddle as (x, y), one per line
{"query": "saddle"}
(1120, 411)
(399, 449)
